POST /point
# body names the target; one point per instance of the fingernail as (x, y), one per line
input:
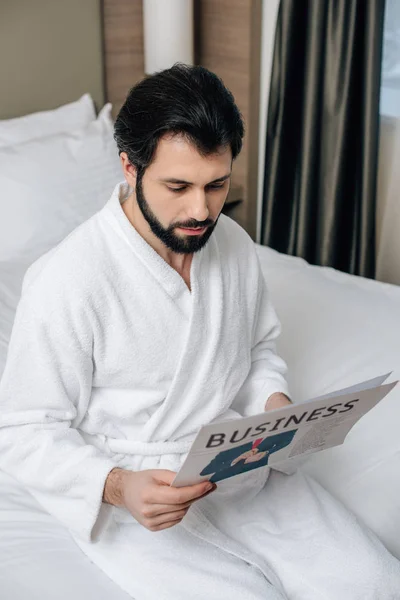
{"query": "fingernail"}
(209, 487)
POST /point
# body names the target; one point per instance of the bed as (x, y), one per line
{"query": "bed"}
(338, 329)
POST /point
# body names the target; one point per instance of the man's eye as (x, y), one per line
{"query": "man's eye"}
(180, 189)
(215, 186)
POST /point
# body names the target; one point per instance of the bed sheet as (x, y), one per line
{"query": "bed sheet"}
(337, 330)
(38, 558)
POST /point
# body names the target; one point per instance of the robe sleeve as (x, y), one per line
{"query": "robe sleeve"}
(268, 369)
(44, 391)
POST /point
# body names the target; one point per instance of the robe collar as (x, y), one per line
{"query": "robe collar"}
(159, 267)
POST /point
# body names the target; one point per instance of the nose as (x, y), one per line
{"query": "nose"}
(199, 206)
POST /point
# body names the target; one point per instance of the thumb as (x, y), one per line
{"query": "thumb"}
(164, 476)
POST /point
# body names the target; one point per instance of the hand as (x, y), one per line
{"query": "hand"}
(277, 400)
(154, 504)
(256, 457)
(244, 456)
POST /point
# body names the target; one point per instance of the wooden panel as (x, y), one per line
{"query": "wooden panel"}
(123, 48)
(228, 42)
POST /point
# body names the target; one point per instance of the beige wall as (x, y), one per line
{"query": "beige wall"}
(50, 54)
(388, 202)
(385, 167)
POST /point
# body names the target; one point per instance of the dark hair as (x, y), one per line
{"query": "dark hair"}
(186, 100)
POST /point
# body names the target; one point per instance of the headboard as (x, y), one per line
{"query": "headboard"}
(51, 52)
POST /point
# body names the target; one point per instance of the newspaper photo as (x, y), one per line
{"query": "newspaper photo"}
(279, 437)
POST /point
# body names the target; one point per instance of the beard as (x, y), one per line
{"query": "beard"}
(179, 244)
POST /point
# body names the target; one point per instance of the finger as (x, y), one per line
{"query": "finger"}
(167, 525)
(166, 518)
(155, 510)
(158, 509)
(172, 516)
(164, 476)
(170, 495)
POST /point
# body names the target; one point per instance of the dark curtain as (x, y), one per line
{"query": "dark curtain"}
(322, 133)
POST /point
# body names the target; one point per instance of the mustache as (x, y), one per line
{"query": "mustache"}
(193, 224)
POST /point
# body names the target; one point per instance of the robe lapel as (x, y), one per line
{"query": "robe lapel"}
(213, 362)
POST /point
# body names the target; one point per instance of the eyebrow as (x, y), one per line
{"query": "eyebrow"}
(182, 181)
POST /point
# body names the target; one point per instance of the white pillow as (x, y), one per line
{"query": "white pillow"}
(337, 330)
(11, 277)
(49, 122)
(51, 185)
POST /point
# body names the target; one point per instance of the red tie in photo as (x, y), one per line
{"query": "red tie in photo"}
(256, 443)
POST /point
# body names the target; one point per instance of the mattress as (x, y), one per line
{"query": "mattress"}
(337, 329)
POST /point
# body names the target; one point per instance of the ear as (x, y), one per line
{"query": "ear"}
(129, 170)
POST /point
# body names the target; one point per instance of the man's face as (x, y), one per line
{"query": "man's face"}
(182, 193)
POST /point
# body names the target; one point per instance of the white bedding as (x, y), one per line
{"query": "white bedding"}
(337, 330)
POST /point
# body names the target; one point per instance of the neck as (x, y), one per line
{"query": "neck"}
(179, 262)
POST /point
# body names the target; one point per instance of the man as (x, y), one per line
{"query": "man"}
(149, 320)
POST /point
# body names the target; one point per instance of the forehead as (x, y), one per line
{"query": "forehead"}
(176, 157)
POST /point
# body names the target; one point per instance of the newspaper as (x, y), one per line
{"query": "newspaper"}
(280, 438)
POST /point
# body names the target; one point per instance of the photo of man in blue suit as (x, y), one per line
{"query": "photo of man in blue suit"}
(246, 457)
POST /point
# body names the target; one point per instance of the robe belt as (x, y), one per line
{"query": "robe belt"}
(148, 448)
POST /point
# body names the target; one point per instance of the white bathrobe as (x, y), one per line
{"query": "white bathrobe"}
(114, 362)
